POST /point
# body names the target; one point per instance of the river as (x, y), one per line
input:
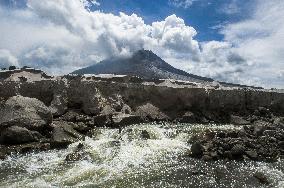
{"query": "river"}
(125, 158)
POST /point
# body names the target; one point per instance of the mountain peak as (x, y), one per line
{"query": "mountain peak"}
(145, 55)
(143, 63)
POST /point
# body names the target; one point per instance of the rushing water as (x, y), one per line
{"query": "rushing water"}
(124, 159)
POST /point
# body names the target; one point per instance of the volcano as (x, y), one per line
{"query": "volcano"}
(142, 63)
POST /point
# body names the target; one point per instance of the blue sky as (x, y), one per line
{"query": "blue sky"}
(239, 41)
(204, 15)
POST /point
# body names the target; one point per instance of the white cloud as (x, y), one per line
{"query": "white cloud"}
(231, 7)
(7, 59)
(223, 62)
(252, 52)
(95, 2)
(182, 3)
(62, 35)
(173, 38)
(261, 41)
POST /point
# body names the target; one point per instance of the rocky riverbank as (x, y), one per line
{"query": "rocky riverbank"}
(55, 112)
(262, 141)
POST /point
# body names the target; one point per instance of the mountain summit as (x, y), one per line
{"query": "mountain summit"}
(143, 63)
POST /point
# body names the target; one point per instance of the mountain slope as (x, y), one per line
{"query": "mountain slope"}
(143, 63)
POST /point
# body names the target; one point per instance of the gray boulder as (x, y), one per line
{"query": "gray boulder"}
(251, 154)
(190, 117)
(237, 151)
(107, 110)
(145, 134)
(121, 120)
(64, 134)
(18, 135)
(58, 105)
(126, 109)
(196, 150)
(279, 121)
(262, 178)
(70, 116)
(102, 121)
(151, 113)
(25, 112)
(116, 121)
(81, 127)
(75, 116)
(237, 120)
(78, 154)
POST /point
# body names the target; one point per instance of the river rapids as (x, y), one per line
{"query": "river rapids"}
(125, 158)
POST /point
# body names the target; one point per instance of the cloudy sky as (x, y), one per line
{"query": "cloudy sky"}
(240, 41)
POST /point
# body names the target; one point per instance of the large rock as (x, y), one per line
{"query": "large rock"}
(58, 105)
(64, 134)
(107, 110)
(145, 134)
(237, 120)
(18, 135)
(79, 153)
(261, 177)
(126, 109)
(190, 117)
(116, 121)
(2, 155)
(75, 116)
(264, 112)
(197, 150)
(103, 120)
(151, 113)
(251, 154)
(125, 120)
(70, 116)
(25, 112)
(238, 150)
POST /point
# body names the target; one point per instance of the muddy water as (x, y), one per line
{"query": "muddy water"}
(127, 159)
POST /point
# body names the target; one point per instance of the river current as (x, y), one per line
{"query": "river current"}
(125, 158)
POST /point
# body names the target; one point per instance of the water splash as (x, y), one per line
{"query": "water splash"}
(129, 159)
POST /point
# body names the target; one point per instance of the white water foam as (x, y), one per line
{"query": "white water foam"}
(125, 159)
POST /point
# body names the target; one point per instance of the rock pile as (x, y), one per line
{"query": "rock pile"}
(262, 141)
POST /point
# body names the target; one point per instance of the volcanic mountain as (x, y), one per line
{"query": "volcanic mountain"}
(143, 63)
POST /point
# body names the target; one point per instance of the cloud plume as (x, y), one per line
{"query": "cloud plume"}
(60, 36)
